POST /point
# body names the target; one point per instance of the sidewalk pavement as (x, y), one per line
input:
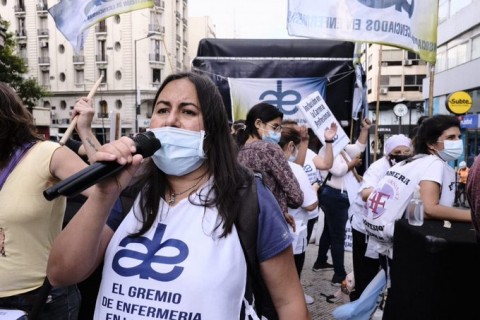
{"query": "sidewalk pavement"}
(317, 285)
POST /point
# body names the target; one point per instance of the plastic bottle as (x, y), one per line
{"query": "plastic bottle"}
(415, 209)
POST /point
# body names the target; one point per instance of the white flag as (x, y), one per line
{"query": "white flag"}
(407, 24)
(74, 17)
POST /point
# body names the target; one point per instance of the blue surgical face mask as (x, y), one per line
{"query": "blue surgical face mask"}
(181, 151)
(294, 155)
(452, 150)
(272, 136)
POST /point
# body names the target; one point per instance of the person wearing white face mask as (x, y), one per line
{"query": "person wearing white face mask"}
(180, 252)
(437, 141)
(260, 152)
(289, 143)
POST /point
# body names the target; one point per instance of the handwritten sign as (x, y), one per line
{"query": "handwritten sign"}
(319, 117)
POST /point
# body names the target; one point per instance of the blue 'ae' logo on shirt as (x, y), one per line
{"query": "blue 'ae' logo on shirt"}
(146, 258)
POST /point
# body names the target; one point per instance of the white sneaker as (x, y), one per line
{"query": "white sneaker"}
(308, 299)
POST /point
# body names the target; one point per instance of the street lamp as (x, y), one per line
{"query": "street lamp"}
(137, 95)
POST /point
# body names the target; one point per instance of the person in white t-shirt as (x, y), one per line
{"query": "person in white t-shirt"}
(397, 148)
(436, 143)
(289, 142)
(312, 163)
(335, 198)
(178, 252)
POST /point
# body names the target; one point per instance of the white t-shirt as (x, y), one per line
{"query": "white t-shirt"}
(391, 195)
(309, 167)
(313, 176)
(299, 214)
(371, 177)
(127, 290)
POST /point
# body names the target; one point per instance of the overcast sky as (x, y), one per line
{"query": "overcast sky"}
(244, 18)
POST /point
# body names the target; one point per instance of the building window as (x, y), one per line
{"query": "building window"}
(79, 77)
(104, 73)
(117, 19)
(118, 46)
(457, 55)
(476, 47)
(45, 76)
(103, 109)
(62, 77)
(392, 55)
(118, 104)
(156, 76)
(448, 8)
(441, 63)
(63, 104)
(457, 5)
(61, 48)
(118, 75)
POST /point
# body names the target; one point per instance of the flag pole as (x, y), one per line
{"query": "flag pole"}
(377, 110)
(72, 125)
(430, 89)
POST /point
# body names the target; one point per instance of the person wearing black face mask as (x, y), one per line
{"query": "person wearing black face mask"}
(393, 159)
(397, 148)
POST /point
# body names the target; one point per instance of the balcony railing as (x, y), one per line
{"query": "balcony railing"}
(78, 59)
(42, 7)
(155, 57)
(154, 28)
(21, 33)
(101, 29)
(44, 60)
(101, 58)
(159, 4)
(43, 32)
(19, 9)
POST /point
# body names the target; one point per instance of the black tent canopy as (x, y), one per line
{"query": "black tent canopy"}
(281, 58)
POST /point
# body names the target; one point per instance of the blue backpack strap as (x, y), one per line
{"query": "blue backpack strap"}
(247, 228)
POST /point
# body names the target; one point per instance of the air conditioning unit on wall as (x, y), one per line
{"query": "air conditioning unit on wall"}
(383, 90)
(408, 62)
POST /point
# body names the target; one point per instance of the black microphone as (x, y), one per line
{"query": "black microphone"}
(146, 144)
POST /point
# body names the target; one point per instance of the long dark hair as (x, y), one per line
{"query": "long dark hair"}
(431, 129)
(263, 111)
(221, 160)
(16, 123)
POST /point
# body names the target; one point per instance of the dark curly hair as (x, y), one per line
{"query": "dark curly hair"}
(431, 129)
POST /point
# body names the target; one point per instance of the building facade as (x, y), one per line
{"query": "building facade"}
(456, 69)
(133, 52)
(394, 77)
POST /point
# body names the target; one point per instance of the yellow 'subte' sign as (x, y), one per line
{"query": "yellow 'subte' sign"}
(459, 102)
